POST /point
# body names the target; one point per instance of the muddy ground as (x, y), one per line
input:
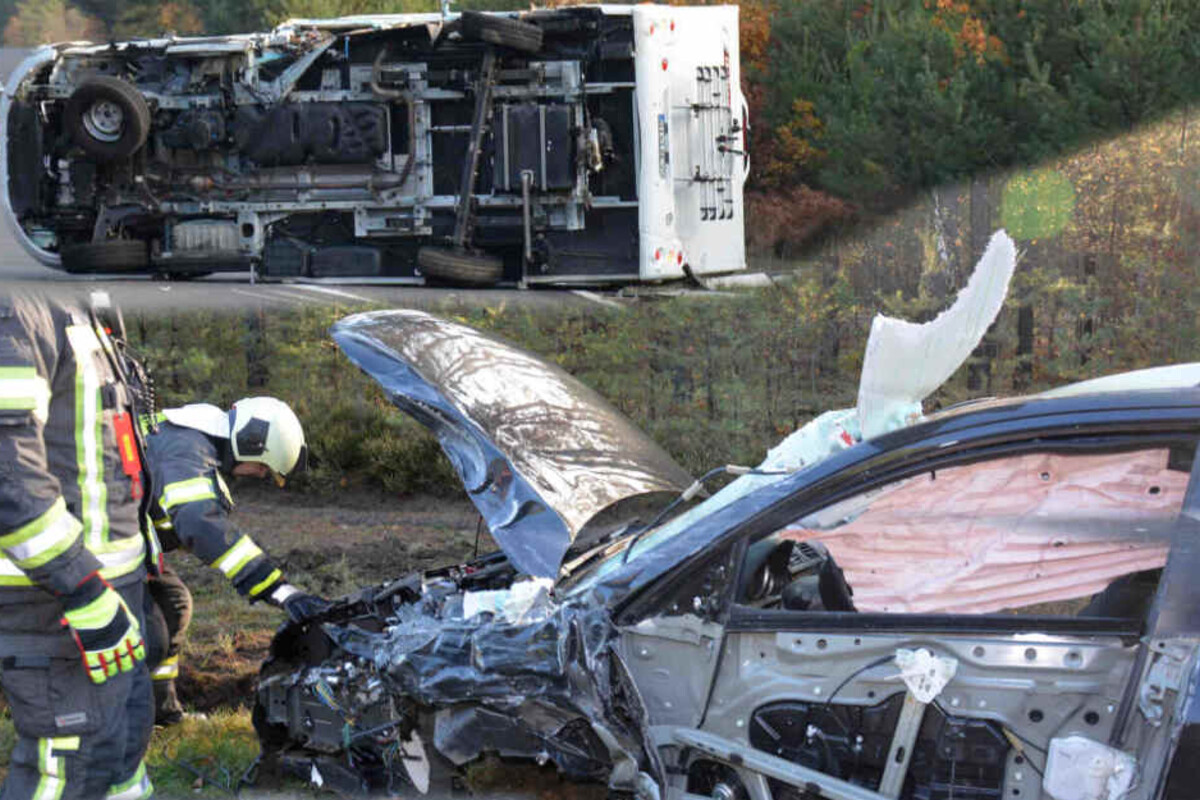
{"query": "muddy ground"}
(327, 546)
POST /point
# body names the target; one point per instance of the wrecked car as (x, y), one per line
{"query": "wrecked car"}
(836, 623)
(593, 144)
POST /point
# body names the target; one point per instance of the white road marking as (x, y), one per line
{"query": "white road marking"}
(595, 298)
(260, 296)
(326, 290)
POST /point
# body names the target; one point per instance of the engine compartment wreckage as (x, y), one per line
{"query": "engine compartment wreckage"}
(727, 650)
(592, 144)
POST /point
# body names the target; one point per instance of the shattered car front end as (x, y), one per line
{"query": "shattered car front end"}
(408, 679)
(362, 708)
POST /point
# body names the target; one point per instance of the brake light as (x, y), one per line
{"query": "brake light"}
(664, 65)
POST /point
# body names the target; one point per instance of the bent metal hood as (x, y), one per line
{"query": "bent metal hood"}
(539, 453)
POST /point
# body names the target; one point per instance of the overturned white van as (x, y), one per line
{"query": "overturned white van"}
(591, 144)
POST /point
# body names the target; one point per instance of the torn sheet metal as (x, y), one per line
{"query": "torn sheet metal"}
(1004, 534)
(539, 453)
(541, 689)
(906, 362)
(1078, 768)
(925, 674)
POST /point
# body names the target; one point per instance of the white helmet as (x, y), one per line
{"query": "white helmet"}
(266, 430)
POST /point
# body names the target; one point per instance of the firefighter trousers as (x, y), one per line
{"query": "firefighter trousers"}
(168, 615)
(77, 740)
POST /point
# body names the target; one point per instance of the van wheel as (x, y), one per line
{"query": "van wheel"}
(459, 267)
(108, 118)
(502, 31)
(111, 255)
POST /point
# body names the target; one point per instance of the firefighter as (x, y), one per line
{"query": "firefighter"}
(187, 449)
(72, 556)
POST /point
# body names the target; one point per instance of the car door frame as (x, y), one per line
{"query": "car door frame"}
(1110, 426)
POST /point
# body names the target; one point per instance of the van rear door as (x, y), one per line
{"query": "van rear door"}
(691, 118)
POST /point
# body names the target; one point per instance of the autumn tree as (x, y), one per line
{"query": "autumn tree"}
(39, 21)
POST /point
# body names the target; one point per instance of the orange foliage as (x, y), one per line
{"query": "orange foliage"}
(793, 146)
(785, 218)
(179, 17)
(970, 35)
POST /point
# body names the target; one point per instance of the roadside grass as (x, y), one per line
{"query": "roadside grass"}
(202, 757)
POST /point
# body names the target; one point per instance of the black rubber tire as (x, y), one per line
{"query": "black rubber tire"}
(459, 267)
(111, 255)
(502, 31)
(126, 97)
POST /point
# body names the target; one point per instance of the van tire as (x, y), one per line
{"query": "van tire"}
(460, 267)
(106, 136)
(502, 31)
(110, 255)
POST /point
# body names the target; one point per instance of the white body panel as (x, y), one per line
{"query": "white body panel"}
(672, 43)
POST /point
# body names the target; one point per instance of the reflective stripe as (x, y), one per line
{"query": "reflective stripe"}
(189, 491)
(22, 389)
(144, 421)
(168, 670)
(266, 583)
(280, 595)
(136, 788)
(43, 539)
(53, 770)
(114, 564)
(96, 614)
(238, 556)
(89, 419)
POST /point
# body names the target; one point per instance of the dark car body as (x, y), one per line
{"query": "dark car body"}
(730, 657)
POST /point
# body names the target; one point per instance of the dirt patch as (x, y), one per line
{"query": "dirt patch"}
(224, 679)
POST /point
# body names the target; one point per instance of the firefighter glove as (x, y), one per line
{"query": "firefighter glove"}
(104, 630)
(301, 607)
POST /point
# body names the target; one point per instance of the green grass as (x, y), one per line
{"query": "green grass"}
(202, 757)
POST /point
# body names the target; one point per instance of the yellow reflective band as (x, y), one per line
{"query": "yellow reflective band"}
(125, 556)
(168, 670)
(224, 490)
(89, 421)
(137, 787)
(189, 491)
(22, 389)
(258, 588)
(144, 422)
(53, 770)
(238, 556)
(44, 539)
(95, 614)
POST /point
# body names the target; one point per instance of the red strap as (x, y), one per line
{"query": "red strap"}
(131, 465)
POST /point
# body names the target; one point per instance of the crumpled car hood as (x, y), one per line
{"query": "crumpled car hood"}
(539, 453)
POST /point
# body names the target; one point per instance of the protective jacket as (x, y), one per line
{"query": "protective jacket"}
(191, 507)
(69, 497)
